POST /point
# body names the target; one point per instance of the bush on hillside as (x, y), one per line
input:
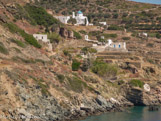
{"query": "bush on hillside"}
(75, 65)
(109, 35)
(77, 35)
(158, 36)
(54, 37)
(18, 43)
(83, 32)
(40, 16)
(61, 77)
(76, 84)
(126, 38)
(136, 83)
(3, 50)
(114, 27)
(27, 37)
(72, 21)
(103, 69)
(85, 50)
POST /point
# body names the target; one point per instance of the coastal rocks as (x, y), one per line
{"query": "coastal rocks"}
(138, 96)
(135, 95)
(153, 108)
(103, 102)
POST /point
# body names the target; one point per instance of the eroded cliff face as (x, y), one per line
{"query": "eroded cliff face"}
(140, 97)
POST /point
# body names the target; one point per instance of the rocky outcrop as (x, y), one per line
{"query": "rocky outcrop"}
(140, 96)
(66, 33)
(135, 95)
(3, 19)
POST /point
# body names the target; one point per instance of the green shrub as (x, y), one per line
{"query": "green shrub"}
(136, 83)
(85, 50)
(54, 37)
(150, 61)
(114, 27)
(126, 38)
(3, 50)
(158, 36)
(42, 85)
(77, 35)
(17, 50)
(83, 32)
(103, 69)
(92, 50)
(75, 65)
(72, 21)
(110, 35)
(40, 16)
(76, 84)
(66, 53)
(150, 45)
(61, 77)
(94, 33)
(19, 43)
(121, 82)
(28, 38)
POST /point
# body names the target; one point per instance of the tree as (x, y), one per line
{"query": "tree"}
(158, 36)
(72, 21)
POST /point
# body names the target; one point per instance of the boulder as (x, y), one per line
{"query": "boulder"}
(63, 32)
(3, 19)
(103, 102)
(70, 34)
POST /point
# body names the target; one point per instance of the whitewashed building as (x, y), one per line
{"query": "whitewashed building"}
(115, 45)
(103, 23)
(80, 18)
(41, 37)
(63, 19)
(44, 38)
(143, 34)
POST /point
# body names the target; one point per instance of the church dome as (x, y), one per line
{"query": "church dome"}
(80, 12)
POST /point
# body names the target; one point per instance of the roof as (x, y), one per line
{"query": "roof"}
(79, 12)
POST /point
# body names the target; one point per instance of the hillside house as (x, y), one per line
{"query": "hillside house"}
(143, 34)
(109, 46)
(118, 46)
(44, 38)
(63, 19)
(103, 23)
(41, 37)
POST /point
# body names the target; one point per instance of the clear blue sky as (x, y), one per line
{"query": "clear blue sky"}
(149, 1)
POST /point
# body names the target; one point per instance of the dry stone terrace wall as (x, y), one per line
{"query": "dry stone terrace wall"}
(128, 58)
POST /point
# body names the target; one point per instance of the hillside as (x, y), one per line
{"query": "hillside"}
(38, 84)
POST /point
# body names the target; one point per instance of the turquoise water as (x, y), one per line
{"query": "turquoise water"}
(131, 114)
(149, 1)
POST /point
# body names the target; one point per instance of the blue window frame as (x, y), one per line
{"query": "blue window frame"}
(119, 46)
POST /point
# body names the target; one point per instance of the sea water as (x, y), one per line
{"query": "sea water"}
(131, 114)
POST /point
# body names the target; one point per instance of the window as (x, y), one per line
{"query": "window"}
(119, 46)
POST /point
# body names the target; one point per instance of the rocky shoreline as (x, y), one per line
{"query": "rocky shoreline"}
(101, 106)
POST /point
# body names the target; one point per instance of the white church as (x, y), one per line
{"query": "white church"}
(80, 18)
